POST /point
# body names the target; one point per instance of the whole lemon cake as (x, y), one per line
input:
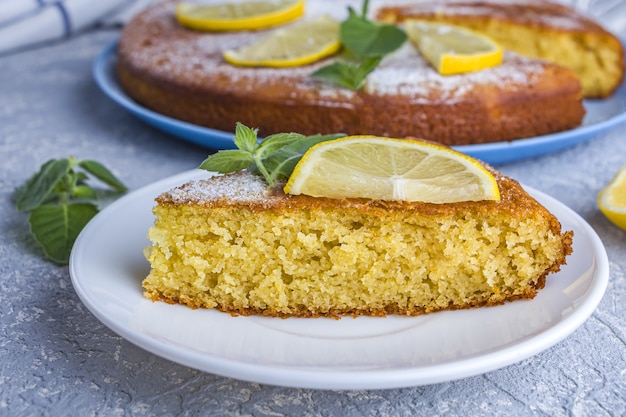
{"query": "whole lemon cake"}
(182, 73)
(233, 243)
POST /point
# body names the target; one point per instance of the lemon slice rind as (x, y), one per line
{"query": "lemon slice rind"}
(249, 15)
(453, 49)
(294, 45)
(612, 199)
(391, 169)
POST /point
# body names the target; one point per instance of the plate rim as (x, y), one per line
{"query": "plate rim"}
(345, 379)
(494, 153)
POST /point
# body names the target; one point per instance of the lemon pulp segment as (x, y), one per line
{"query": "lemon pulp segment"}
(612, 199)
(391, 169)
(294, 45)
(452, 49)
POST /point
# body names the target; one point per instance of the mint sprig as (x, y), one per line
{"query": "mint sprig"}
(365, 44)
(274, 158)
(61, 202)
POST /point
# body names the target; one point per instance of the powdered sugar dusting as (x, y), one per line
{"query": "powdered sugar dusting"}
(238, 187)
(406, 73)
(156, 44)
(539, 13)
(160, 46)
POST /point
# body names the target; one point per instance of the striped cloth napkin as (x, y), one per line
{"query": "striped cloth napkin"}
(25, 23)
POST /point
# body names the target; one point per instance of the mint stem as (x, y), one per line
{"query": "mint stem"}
(261, 167)
(365, 8)
(275, 157)
(367, 43)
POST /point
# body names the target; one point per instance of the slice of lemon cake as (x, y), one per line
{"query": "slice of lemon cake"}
(234, 243)
(540, 29)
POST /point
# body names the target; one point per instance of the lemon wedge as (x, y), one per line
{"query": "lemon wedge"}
(294, 45)
(612, 199)
(238, 15)
(391, 169)
(452, 49)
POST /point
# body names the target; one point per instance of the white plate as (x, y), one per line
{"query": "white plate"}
(107, 267)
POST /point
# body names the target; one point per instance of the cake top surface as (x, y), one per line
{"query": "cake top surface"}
(240, 188)
(538, 13)
(154, 43)
(246, 190)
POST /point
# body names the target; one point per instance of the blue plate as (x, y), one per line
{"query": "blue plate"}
(601, 116)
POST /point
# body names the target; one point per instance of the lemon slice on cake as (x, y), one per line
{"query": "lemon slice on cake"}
(452, 49)
(238, 15)
(612, 199)
(294, 45)
(391, 169)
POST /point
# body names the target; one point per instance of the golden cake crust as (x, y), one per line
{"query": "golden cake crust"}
(227, 190)
(181, 73)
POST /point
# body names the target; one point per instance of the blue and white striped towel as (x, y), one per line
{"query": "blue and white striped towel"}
(24, 23)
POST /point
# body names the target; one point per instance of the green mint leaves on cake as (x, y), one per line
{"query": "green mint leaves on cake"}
(61, 202)
(274, 157)
(365, 44)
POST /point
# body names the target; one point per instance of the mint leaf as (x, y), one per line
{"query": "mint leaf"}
(60, 202)
(270, 146)
(303, 144)
(245, 137)
(275, 142)
(274, 157)
(357, 34)
(282, 162)
(229, 160)
(342, 73)
(348, 74)
(367, 39)
(41, 186)
(56, 227)
(281, 165)
(366, 67)
(103, 174)
(366, 43)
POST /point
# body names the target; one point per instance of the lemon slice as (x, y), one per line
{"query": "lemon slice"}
(295, 45)
(391, 169)
(238, 15)
(452, 49)
(612, 199)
